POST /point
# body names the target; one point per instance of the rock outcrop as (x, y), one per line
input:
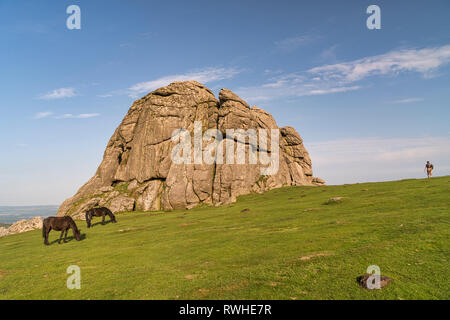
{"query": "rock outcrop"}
(3, 232)
(22, 226)
(138, 171)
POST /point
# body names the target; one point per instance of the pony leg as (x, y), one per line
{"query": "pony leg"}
(60, 237)
(88, 220)
(46, 236)
(103, 220)
(65, 235)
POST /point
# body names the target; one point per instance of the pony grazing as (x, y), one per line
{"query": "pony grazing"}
(99, 212)
(62, 224)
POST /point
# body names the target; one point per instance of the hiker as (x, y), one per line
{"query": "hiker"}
(429, 169)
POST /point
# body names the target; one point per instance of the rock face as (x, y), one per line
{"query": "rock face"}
(22, 226)
(138, 171)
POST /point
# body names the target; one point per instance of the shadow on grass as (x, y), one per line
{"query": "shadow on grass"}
(97, 223)
(69, 239)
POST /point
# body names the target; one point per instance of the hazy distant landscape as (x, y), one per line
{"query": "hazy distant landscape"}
(11, 214)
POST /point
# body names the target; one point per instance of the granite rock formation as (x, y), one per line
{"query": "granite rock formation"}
(138, 173)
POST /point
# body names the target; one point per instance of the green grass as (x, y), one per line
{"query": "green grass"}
(291, 243)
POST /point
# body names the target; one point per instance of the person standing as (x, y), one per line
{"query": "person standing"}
(429, 169)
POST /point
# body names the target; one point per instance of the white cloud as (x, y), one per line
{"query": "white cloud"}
(44, 114)
(424, 61)
(329, 53)
(204, 76)
(47, 114)
(270, 71)
(332, 90)
(87, 115)
(291, 44)
(377, 159)
(343, 77)
(108, 95)
(77, 116)
(408, 100)
(291, 85)
(59, 94)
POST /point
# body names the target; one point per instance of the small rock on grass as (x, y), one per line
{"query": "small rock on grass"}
(335, 200)
(362, 280)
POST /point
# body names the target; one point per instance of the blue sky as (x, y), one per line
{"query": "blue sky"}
(371, 105)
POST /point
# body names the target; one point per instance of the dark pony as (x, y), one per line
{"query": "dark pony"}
(99, 212)
(62, 224)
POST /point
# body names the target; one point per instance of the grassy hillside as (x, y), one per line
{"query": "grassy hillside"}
(290, 243)
(4, 225)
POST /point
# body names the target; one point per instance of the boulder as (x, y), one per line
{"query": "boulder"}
(121, 204)
(25, 225)
(362, 280)
(137, 171)
(3, 232)
(106, 189)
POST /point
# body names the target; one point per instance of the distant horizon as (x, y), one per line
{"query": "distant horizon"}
(341, 184)
(12, 214)
(37, 205)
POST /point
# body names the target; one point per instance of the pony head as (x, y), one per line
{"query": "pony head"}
(77, 234)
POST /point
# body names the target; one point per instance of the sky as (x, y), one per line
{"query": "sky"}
(371, 105)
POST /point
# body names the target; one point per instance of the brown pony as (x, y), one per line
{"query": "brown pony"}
(99, 212)
(62, 224)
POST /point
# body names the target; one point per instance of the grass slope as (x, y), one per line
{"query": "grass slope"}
(290, 244)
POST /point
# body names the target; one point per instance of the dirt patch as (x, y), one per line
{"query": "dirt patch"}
(235, 286)
(274, 284)
(203, 291)
(188, 224)
(245, 210)
(311, 209)
(314, 255)
(2, 273)
(190, 276)
(288, 229)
